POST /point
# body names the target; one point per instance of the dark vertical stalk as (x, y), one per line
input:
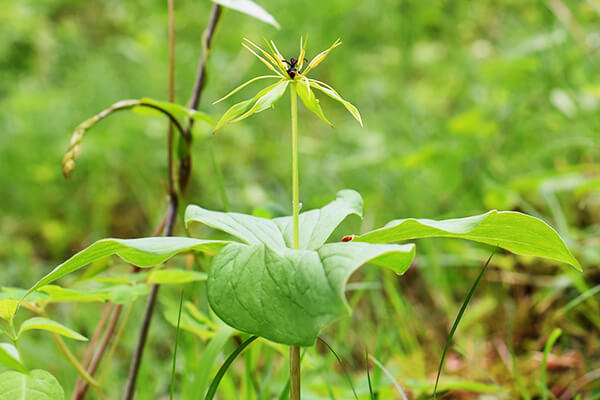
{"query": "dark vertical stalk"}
(143, 336)
(185, 161)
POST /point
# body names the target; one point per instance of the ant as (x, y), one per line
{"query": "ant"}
(292, 70)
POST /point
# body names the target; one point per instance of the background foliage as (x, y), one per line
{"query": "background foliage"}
(468, 106)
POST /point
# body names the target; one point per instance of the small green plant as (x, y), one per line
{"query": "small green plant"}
(283, 279)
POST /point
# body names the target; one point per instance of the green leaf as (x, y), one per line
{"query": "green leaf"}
(317, 225)
(233, 112)
(57, 294)
(17, 293)
(45, 324)
(200, 116)
(145, 252)
(9, 357)
(516, 232)
(8, 308)
(123, 294)
(37, 385)
(288, 296)
(241, 107)
(175, 276)
(310, 100)
(266, 100)
(329, 91)
(248, 228)
(250, 8)
(177, 110)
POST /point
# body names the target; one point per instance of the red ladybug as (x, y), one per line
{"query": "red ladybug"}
(347, 238)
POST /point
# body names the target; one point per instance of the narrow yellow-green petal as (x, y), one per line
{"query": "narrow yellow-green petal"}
(268, 64)
(321, 56)
(310, 100)
(266, 100)
(302, 52)
(267, 55)
(241, 107)
(276, 55)
(244, 85)
(331, 92)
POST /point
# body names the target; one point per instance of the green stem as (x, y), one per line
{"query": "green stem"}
(73, 361)
(295, 195)
(295, 350)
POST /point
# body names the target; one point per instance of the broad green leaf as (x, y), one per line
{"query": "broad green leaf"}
(310, 100)
(145, 252)
(317, 225)
(513, 231)
(237, 109)
(123, 294)
(175, 276)
(57, 294)
(17, 293)
(288, 296)
(37, 385)
(9, 357)
(248, 228)
(329, 91)
(8, 308)
(45, 324)
(122, 279)
(250, 8)
(266, 100)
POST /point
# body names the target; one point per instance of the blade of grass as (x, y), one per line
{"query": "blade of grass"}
(215, 382)
(551, 340)
(172, 389)
(371, 393)
(339, 360)
(522, 389)
(458, 318)
(390, 376)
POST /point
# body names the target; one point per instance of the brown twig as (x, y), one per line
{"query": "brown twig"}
(90, 350)
(207, 38)
(81, 389)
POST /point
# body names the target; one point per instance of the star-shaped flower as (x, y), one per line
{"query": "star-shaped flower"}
(292, 71)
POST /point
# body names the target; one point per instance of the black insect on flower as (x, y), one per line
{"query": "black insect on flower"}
(292, 70)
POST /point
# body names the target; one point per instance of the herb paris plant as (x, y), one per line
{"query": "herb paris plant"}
(282, 280)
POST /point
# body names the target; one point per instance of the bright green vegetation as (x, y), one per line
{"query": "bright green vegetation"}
(466, 107)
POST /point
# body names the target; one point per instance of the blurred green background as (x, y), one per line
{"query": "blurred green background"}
(468, 106)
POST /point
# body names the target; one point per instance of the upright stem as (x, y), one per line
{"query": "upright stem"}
(295, 195)
(295, 350)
